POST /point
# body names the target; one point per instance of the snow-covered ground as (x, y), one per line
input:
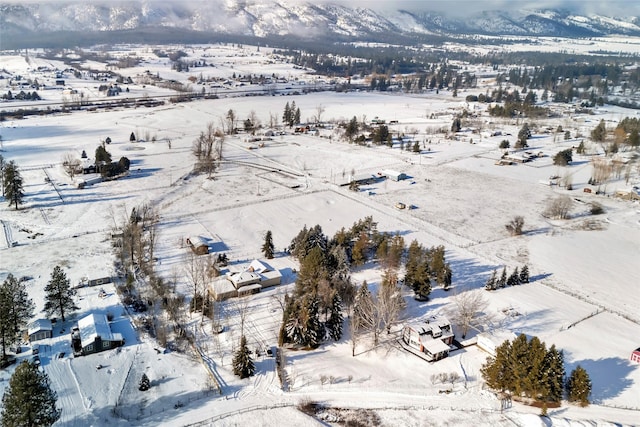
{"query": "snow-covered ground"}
(462, 199)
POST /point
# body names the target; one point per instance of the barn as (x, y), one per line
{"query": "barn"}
(94, 335)
(39, 329)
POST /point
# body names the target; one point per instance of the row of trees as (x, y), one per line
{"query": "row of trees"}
(526, 368)
(515, 278)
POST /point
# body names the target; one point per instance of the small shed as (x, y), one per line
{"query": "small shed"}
(635, 355)
(198, 245)
(39, 329)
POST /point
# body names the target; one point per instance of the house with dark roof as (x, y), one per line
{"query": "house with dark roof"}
(94, 335)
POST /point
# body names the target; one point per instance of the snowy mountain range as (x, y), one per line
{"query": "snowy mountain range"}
(263, 18)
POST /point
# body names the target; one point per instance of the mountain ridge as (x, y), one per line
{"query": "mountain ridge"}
(301, 19)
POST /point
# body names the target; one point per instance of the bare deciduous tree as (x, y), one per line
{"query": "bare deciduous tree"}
(559, 208)
(195, 268)
(469, 310)
(514, 227)
(389, 303)
(70, 163)
(318, 115)
(207, 149)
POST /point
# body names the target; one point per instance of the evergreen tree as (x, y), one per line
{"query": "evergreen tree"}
(286, 115)
(497, 370)
(519, 364)
(296, 116)
(535, 382)
(29, 401)
(103, 157)
(553, 374)
(132, 137)
(351, 129)
(514, 278)
(16, 308)
(579, 386)
(144, 383)
(334, 323)
(59, 294)
(242, 363)
(492, 282)
(523, 135)
(267, 247)
(502, 282)
(599, 133)
(13, 184)
(314, 330)
(524, 274)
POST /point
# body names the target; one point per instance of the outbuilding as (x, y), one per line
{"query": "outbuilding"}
(198, 245)
(39, 329)
(635, 355)
(394, 175)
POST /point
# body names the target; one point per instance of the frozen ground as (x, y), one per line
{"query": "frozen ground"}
(462, 199)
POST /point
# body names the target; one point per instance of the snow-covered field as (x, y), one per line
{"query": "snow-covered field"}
(462, 199)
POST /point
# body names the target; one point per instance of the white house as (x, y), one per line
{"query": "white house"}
(247, 280)
(432, 337)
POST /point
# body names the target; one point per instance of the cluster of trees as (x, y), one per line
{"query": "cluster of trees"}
(323, 284)
(515, 278)
(105, 166)
(12, 183)
(425, 265)
(527, 368)
(22, 96)
(291, 114)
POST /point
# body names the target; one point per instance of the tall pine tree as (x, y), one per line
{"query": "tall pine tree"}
(579, 386)
(13, 184)
(29, 400)
(334, 323)
(267, 247)
(242, 363)
(16, 308)
(59, 294)
(553, 367)
(524, 274)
